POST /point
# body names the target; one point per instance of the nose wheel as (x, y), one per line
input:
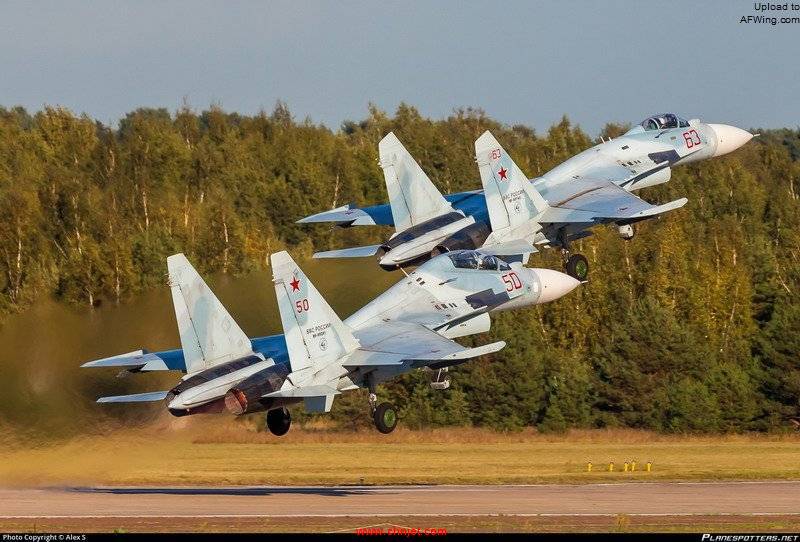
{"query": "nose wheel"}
(279, 421)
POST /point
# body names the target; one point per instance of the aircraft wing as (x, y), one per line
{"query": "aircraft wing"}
(343, 216)
(398, 343)
(355, 252)
(390, 344)
(593, 201)
(305, 391)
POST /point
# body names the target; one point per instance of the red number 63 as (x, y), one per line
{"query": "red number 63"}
(691, 138)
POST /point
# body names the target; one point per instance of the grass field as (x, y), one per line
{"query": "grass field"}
(212, 451)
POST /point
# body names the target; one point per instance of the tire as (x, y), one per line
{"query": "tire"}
(385, 418)
(578, 267)
(279, 421)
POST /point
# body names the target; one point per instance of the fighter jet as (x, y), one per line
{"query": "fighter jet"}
(513, 215)
(410, 326)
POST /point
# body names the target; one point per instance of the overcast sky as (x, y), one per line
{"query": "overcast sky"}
(523, 62)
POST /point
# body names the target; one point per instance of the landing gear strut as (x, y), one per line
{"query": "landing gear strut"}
(439, 379)
(279, 421)
(384, 415)
(576, 265)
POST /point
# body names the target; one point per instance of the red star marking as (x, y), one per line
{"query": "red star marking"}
(502, 173)
(295, 285)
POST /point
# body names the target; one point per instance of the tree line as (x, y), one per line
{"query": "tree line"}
(692, 326)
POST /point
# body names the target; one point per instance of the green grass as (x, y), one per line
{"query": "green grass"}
(215, 452)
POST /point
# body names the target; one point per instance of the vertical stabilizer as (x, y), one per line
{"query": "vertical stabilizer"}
(412, 196)
(209, 336)
(315, 336)
(510, 197)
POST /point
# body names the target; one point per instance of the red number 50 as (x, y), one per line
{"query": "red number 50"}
(302, 305)
(512, 281)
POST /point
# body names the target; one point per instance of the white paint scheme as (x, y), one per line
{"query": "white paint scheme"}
(215, 389)
(729, 138)
(209, 336)
(413, 196)
(423, 244)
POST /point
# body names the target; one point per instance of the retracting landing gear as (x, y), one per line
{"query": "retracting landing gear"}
(575, 265)
(279, 421)
(440, 379)
(384, 415)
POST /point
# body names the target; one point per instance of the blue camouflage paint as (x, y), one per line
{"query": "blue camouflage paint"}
(471, 203)
(273, 346)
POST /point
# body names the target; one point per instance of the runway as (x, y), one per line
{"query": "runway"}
(633, 499)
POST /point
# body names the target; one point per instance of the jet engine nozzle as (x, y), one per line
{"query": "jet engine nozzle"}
(729, 138)
(554, 284)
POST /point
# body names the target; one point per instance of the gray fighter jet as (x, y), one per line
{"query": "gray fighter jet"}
(410, 326)
(513, 215)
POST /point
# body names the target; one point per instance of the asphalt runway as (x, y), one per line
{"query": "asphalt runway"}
(657, 499)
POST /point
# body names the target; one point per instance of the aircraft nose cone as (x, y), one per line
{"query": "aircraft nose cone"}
(729, 138)
(555, 284)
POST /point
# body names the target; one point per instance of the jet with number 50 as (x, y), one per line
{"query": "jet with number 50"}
(410, 326)
(513, 214)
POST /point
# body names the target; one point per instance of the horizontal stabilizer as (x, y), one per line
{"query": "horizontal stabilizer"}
(511, 248)
(137, 358)
(461, 355)
(304, 391)
(135, 398)
(341, 215)
(355, 252)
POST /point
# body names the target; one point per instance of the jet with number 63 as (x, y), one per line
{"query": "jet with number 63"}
(513, 215)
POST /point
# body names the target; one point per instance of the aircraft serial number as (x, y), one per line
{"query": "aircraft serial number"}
(512, 282)
(691, 138)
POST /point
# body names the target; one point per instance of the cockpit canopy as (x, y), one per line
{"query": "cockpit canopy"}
(472, 259)
(664, 121)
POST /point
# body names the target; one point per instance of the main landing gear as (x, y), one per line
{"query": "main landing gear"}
(384, 415)
(279, 421)
(575, 265)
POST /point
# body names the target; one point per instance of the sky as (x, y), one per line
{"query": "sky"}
(527, 62)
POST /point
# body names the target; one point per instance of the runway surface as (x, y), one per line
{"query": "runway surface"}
(667, 498)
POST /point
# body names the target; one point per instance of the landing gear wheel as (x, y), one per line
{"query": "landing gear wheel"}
(385, 418)
(279, 421)
(578, 267)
